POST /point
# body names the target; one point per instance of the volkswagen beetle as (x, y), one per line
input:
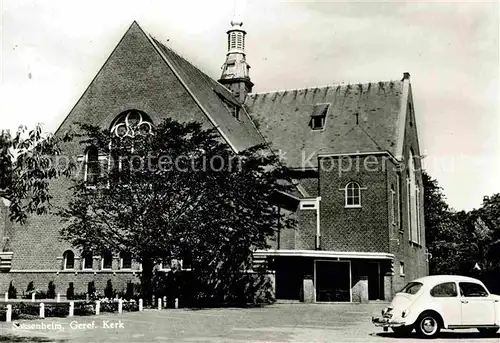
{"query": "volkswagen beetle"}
(437, 302)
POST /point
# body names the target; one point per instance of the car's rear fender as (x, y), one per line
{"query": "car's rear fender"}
(417, 309)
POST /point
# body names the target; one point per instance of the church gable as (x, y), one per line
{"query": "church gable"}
(134, 77)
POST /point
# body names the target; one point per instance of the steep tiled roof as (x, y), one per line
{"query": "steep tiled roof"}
(360, 118)
(241, 132)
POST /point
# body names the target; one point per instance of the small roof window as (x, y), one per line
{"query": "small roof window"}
(318, 116)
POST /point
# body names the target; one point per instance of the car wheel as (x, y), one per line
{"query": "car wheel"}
(487, 331)
(428, 325)
(402, 331)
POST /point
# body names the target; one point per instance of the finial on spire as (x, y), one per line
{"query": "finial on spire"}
(238, 13)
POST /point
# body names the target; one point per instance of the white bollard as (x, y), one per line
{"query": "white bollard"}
(120, 306)
(42, 310)
(71, 309)
(140, 305)
(58, 299)
(97, 307)
(176, 302)
(165, 304)
(159, 304)
(8, 316)
(33, 297)
(6, 296)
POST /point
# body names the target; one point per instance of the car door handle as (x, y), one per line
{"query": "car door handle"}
(465, 302)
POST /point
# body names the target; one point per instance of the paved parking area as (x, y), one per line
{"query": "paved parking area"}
(276, 323)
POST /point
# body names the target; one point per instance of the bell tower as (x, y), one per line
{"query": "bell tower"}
(235, 70)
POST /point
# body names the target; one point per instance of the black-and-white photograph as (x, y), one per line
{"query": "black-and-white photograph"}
(276, 171)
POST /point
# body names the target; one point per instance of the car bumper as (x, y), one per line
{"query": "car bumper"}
(386, 322)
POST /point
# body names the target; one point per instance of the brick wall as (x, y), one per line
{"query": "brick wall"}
(305, 237)
(354, 229)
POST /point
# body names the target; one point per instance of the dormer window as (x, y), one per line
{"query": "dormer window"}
(235, 112)
(318, 116)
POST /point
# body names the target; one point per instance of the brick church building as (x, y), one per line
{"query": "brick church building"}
(352, 151)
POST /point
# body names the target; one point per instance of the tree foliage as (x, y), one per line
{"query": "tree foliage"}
(446, 233)
(466, 243)
(26, 167)
(179, 193)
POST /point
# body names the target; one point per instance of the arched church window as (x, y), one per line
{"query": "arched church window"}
(88, 259)
(131, 123)
(69, 260)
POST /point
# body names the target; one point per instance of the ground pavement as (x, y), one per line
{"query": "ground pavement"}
(277, 323)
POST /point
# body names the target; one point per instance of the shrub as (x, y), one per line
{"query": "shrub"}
(12, 291)
(109, 305)
(56, 309)
(51, 290)
(84, 308)
(31, 288)
(130, 306)
(129, 294)
(25, 310)
(108, 291)
(91, 291)
(70, 292)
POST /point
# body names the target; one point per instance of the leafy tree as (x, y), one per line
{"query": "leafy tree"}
(176, 191)
(484, 241)
(27, 164)
(446, 232)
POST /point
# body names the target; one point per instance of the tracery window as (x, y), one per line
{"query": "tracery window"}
(131, 123)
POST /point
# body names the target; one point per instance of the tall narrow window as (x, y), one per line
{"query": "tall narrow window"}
(412, 194)
(393, 205)
(88, 259)
(398, 202)
(408, 207)
(125, 260)
(352, 195)
(106, 260)
(92, 166)
(69, 260)
(417, 213)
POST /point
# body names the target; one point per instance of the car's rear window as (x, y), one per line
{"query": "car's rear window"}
(412, 288)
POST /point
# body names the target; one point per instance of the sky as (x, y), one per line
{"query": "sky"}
(52, 49)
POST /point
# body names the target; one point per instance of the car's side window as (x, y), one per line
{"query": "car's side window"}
(444, 290)
(471, 289)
